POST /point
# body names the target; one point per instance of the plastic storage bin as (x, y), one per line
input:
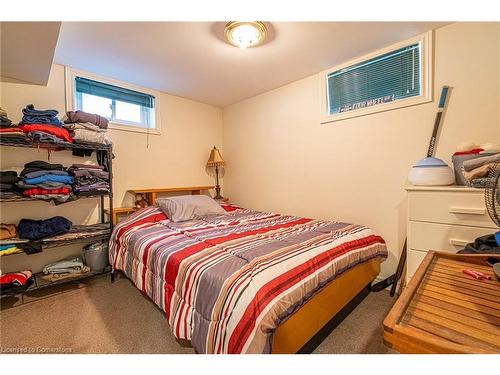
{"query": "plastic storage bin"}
(95, 256)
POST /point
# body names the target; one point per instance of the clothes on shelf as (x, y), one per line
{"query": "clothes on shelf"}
(82, 117)
(7, 231)
(8, 181)
(5, 122)
(87, 129)
(65, 268)
(46, 133)
(476, 171)
(36, 230)
(13, 133)
(89, 179)
(473, 163)
(35, 116)
(15, 278)
(9, 249)
(15, 282)
(39, 165)
(42, 180)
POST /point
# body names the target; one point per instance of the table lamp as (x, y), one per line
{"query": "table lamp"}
(216, 163)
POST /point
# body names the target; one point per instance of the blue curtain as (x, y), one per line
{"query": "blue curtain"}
(88, 86)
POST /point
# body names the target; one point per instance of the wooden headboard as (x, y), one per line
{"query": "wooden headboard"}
(150, 194)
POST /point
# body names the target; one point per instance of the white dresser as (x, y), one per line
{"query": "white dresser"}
(443, 218)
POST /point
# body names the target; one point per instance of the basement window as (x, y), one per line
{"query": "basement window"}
(127, 107)
(398, 76)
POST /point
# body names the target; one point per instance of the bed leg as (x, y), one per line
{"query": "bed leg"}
(113, 277)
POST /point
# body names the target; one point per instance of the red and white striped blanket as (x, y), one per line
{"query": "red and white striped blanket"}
(226, 282)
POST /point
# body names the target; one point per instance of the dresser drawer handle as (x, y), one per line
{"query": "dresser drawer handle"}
(456, 242)
(467, 210)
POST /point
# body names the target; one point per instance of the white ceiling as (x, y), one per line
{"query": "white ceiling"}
(189, 59)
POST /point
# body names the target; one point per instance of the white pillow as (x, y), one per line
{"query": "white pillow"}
(188, 207)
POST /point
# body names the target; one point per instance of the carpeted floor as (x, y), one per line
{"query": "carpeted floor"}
(100, 317)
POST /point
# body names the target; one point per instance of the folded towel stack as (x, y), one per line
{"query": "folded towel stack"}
(45, 181)
(65, 268)
(89, 179)
(8, 187)
(43, 126)
(87, 128)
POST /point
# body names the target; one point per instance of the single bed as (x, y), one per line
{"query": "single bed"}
(247, 281)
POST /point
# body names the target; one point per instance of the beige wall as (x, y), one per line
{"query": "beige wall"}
(281, 158)
(174, 158)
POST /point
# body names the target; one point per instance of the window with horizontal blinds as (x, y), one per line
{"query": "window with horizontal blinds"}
(104, 90)
(125, 108)
(386, 78)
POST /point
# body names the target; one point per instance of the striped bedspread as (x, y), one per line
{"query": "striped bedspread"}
(225, 282)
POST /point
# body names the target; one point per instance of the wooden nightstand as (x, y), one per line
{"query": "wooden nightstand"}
(223, 200)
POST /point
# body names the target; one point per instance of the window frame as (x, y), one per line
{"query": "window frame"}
(426, 77)
(71, 74)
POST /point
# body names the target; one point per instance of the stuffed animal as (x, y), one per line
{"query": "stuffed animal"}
(140, 202)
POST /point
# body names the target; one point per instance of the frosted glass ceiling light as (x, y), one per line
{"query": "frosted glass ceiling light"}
(245, 34)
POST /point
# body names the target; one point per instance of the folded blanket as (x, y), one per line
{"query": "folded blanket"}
(483, 182)
(68, 265)
(38, 229)
(45, 172)
(42, 137)
(39, 165)
(48, 185)
(86, 166)
(89, 172)
(49, 177)
(84, 125)
(34, 116)
(84, 135)
(80, 116)
(469, 165)
(478, 172)
(50, 129)
(62, 276)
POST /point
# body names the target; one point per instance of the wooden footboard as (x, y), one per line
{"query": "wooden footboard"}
(302, 325)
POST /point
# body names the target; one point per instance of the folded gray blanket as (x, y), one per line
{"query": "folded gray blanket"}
(80, 116)
(68, 265)
(469, 165)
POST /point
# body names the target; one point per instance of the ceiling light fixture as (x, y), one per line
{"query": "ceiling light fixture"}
(245, 34)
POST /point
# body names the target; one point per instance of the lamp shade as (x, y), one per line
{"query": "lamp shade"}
(215, 158)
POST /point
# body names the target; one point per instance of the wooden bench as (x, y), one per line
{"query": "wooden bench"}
(443, 310)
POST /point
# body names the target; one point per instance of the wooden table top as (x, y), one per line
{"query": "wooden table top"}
(443, 310)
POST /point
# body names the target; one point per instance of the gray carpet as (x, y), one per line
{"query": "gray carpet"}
(100, 317)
